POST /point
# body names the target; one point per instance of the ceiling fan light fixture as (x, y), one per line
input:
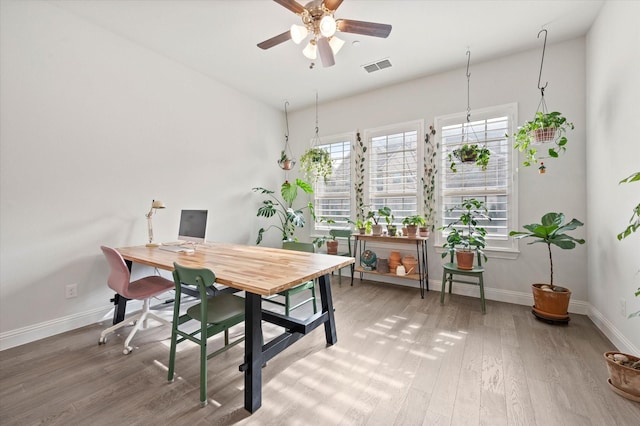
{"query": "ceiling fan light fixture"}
(336, 44)
(328, 26)
(298, 33)
(310, 51)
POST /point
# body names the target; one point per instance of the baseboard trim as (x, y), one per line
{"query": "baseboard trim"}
(612, 333)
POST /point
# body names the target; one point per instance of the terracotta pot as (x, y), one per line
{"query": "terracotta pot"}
(465, 259)
(545, 134)
(394, 261)
(410, 264)
(376, 229)
(623, 380)
(551, 305)
(332, 247)
(423, 231)
(412, 230)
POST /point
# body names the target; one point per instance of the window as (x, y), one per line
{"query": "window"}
(332, 199)
(495, 186)
(392, 169)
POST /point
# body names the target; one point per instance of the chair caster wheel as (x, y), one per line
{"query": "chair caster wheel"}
(102, 341)
(127, 350)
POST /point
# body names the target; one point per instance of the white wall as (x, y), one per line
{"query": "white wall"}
(613, 111)
(93, 128)
(501, 81)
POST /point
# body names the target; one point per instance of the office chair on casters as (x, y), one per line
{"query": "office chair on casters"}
(143, 289)
(344, 233)
(215, 314)
(309, 285)
(450, 269)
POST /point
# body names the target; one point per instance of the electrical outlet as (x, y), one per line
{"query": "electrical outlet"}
(623, 307)
(71, 291)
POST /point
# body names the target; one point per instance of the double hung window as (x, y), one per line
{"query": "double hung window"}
(495, 186)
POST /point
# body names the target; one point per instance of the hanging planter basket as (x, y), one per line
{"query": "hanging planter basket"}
(285, 162)
(543, 135)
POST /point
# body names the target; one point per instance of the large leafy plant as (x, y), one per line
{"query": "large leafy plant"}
(465, 232)
(552, 231)
(526, 135)
(283, 209)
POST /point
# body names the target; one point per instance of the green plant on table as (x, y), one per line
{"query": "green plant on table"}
(376, 215)
(283, 209)
(415, 220)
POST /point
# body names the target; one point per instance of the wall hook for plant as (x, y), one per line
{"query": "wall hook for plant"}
(544, 47)
(286, 161)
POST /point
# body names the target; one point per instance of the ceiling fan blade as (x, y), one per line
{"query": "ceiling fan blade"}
(326, 54)
(332, 4)
(364, 28)
(292, 5)
(274, 41)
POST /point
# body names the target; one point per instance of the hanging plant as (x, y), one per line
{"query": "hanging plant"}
(470, 153)
(316, 162)
(545, 127)
(429, 179)
(285, 162)
(360, 150)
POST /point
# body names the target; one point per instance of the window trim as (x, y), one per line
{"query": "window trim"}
(507, 248)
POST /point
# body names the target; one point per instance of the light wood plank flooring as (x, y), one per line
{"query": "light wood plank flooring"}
(399, 360)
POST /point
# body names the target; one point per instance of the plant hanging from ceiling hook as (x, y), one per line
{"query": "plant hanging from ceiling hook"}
(469, 152)
(544, 128)
(286, 161)
(316, 161)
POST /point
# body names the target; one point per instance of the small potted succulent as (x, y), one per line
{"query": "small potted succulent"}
(470, 153)
(545, 127)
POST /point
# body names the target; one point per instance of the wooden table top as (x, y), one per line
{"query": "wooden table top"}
(256, 269)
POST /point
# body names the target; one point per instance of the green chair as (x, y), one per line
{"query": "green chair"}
(215, 314)
(287, 294)
(451, 269)
(344, 233)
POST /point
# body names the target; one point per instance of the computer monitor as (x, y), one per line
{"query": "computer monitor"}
(193, 226)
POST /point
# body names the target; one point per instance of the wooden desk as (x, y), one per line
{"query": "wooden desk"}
(421, 254)
(259, 271)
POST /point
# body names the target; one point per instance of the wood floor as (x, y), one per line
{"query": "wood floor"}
(399, 360)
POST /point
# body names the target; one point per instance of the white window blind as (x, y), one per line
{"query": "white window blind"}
(393, 169)
(495, 186)
(333, 197)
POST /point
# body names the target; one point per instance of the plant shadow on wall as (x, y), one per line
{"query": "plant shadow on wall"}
(551, 301)
(290, 218)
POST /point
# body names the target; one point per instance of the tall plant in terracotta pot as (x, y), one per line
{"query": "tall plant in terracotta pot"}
(465, 236)
(551, 301)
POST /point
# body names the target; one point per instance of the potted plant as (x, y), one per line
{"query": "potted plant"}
(375, 216)
(285, 162)
(545, 127)
(289, 217)
(551, 301)
(332, 243)
(465, 236)
(470, 153)
(412, 223)
(316, 162)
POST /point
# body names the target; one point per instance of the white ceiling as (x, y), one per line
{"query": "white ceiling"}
(218, 39)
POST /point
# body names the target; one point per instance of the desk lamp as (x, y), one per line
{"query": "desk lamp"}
(155, 204)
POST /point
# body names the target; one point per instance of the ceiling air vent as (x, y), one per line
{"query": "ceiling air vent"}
(380, 65)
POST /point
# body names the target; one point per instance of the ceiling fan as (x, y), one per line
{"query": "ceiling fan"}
(319, 22)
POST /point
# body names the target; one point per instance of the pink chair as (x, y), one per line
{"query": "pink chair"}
(142, 289)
